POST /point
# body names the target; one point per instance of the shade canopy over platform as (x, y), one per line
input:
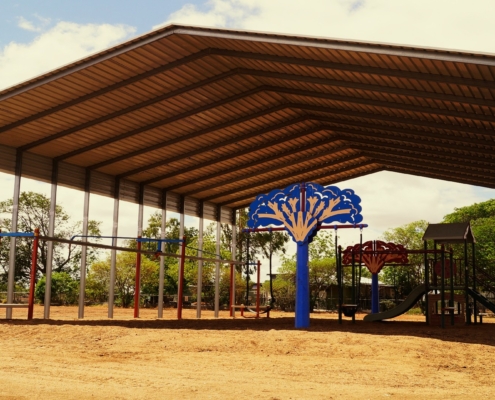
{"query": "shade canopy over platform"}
(450, 233)
(216, 117)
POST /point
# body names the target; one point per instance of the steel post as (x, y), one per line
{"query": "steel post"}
(161, 277)
(82, 278)
(13, 228)
(51, 232)
(199, 289)
(34, 264)
(113, 258)
(217, 264)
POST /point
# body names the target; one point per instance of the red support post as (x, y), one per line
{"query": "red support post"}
(34, 263)
(137, 290)
(258, 291)
(232, 294)
(181, 278)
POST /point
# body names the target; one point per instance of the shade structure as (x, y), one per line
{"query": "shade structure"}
(216, 117)
(459, 232)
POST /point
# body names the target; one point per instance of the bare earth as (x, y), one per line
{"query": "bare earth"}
(66, 358)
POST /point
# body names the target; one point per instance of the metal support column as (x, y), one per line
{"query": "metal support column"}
(82, 279)
(162, 258)
(234, 256)
(217, 264)
(13, 228)
(51, 232)
(113, 258)
(137, 293)
(200, 262)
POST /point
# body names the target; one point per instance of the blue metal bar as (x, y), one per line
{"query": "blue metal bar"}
(17, 234)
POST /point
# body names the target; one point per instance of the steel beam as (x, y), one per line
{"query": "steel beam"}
(199, 288)
(294, 177)
(51, 232)
(82, 279)
(13, 228)
(163, 235)
(113, 257)
(326, 164)
(217, 264)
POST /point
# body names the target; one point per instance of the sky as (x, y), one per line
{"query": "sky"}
(38, 36)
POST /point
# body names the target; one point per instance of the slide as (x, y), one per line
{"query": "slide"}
(481, 299)
(405, 306)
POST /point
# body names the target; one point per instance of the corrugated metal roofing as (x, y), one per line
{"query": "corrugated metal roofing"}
(220, 115)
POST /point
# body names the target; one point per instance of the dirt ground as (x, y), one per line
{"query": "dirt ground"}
(242, 358)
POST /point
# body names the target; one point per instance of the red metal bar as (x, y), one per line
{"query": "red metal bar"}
(232, 294)
(137, 290)
(32, 283)
(181, 278)
(303, 197)
(258, 291)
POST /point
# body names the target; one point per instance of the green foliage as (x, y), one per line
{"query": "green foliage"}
(34, 211)
(405, 278)
(65, 289)
(125, 279)
(482, 218)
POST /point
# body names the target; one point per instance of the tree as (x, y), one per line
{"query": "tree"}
(97, 283)
(65, 289)
(405, 278)
(482, 219)
(34, 210)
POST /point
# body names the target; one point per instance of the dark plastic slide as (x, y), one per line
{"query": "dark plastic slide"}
(481, 299)
(403, 307)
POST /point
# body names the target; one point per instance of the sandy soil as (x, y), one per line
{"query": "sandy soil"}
(242, 358)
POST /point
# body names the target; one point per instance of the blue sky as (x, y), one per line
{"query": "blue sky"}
(39, 35)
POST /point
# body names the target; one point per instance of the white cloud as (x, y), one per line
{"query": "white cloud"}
(439, 23)
(63, 43)
(31, 26)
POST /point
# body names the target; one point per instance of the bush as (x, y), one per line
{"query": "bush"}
(65, 289)
(386, 305)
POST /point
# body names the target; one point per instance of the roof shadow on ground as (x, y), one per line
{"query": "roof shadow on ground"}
(475, 334)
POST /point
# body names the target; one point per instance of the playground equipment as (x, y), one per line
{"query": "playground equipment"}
(303, 209)
(443, 279)
(32, 278)
(139, 251)
(243, 307)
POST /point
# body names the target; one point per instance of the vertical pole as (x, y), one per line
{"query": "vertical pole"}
(340, 293)
(82, 279)
(375, 294)
(360, 264)
(427, 283)
(302, 286)
(339, 276)
(217, 264)
(302, 275)
(258, 276)
(466, 283)
(181, 278)
(442, 288)
(353, 266)
(234, 256)
(15, 219)
(137, 282)
(113, 258)
(51, 233)
(199, 292)
(161, 277)
(451, 300)
(475, 303)
(34, 264)
(248, 238)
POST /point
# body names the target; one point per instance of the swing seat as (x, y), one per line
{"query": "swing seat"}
(349, 310)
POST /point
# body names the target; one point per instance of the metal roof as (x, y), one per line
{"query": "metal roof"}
(450, 233)
(220, 116)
